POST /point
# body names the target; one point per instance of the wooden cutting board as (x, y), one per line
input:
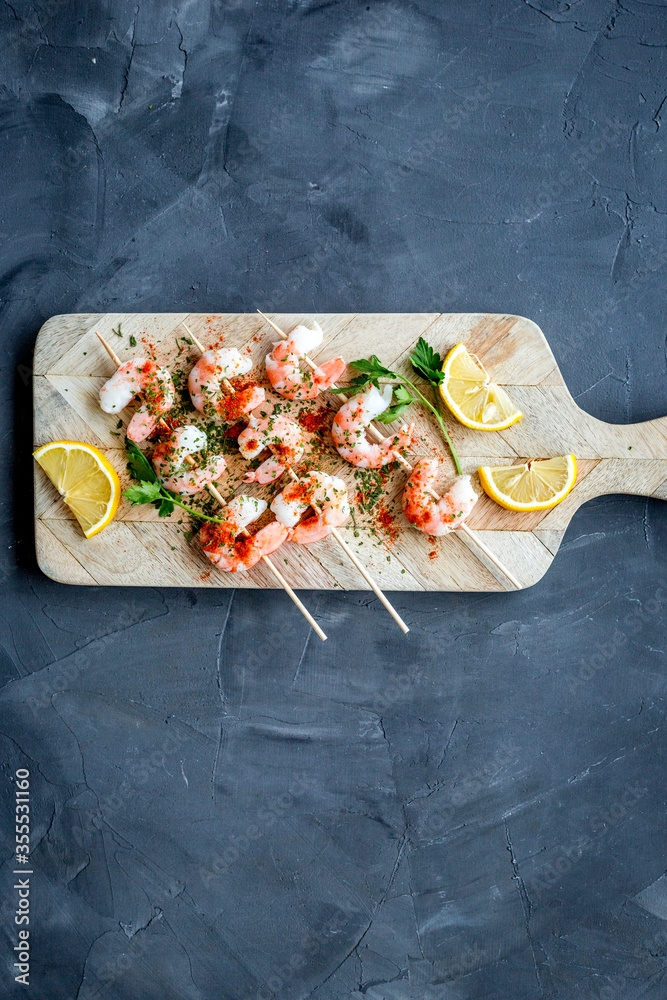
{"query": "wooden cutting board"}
(140, 549)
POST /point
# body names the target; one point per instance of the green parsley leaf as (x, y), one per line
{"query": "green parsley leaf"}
(133, 340)
(392, 413)
(356, 385)
(427, 362)
(166, 508)
(372, 370)
(401, 399)
(138, 465)
(143, 492)
(373, 367)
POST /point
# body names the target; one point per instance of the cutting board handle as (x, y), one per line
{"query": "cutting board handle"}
(647, 440)
(633, 457)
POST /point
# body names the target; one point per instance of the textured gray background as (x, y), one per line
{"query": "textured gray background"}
(224, 807)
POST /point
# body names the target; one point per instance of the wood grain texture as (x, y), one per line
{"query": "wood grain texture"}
(139, 549)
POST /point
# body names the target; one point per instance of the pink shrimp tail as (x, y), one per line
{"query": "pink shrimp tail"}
(313, 529)
(267, 472)
(270, 538)
(282, 350)
(329, 373)
(404, 439)
(252, 397)
(251, 550)
(141, 425)
(309, 531)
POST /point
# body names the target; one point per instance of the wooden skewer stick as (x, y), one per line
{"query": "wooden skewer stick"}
(366, 575)
(198, 344)
(223, 503)
(378, 436)
(336, 533)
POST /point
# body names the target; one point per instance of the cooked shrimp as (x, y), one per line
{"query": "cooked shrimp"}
(238, 554)
(205, 379)
(170, 456)
(282, 436)
(328, 497)
(285, 375)
(144, 377)
(436, 517)
(349, 430)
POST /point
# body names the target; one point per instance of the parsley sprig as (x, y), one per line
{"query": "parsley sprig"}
(150, 490)
(427, 363)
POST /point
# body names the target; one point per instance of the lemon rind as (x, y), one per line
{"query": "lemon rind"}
(474, 425)
(519, 508)
(104, 466)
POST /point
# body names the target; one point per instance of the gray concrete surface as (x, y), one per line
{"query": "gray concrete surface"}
(222, 806)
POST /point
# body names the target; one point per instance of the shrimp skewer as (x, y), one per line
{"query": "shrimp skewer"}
(281, 436)
(326, 494)
(351, 423)
(213, 369)
(175, 472)
(333, 509)
(337, 535)
(378, 436)
(436, 517)
(140, 376)
(224, 544)
(221, 500)
(285, 375)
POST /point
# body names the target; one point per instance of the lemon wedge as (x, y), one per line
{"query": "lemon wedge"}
(533, 485)
(86, 481)
(476, 401)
